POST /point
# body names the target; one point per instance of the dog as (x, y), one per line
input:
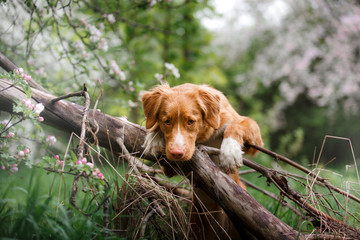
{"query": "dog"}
(180, 117)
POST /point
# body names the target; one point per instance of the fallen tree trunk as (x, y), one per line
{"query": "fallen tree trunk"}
(241, 207)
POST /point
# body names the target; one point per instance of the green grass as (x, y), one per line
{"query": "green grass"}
(31, 209)
(35, 204)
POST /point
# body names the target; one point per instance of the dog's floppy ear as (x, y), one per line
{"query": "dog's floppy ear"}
(210, 105)
(151, 104)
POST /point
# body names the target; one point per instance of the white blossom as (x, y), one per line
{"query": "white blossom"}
(39, 108)
(171, 67)
(111, 18)
(103, 45)
(114, 68)
(95, 33)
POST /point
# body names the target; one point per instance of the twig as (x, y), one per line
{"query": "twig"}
(80, 152)
(172, 188)
(75, 94)
(73, 194)
(132, 161)
(145, 220)
(247, 172)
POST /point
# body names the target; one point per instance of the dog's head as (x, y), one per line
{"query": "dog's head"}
(183, 114)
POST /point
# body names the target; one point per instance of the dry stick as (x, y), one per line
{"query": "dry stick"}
(132, 161)
(182, 192)
(305, 170)
(75, 94)
(73, 195)
(80, 153)
(145, 220)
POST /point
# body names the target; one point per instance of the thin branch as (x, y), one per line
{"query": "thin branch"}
(80, 152)
(73, 195)
(145, 220)
(75, 94)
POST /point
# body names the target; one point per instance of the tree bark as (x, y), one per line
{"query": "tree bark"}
(244, 211)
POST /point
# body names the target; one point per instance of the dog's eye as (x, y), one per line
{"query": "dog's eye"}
(191, 122)
(167, 122)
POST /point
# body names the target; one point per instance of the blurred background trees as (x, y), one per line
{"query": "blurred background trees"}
(297, 62)
(291, 65)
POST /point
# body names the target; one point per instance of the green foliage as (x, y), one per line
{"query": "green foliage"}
(28, 211)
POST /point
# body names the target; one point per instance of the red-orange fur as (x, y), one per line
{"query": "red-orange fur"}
(207, 117)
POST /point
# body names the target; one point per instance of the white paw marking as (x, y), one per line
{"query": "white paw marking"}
(230, 154)
(154, 143)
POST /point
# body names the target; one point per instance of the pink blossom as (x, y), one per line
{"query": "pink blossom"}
(10, 135)
(3, 167)
(21, 153)
(84, 161)
(78, 162)
(40, 119)
(91, 165)
(26, 151)
(100, 175)
(27, 77)
(56, 157)
(57, 162)
(62, 163)
(19, 71)
(14, 169)
(94, 173)
(83, 22)
(28, 103)
(51, 140)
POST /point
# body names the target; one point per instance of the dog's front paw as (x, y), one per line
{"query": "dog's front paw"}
(230, 155)
(154, 143)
